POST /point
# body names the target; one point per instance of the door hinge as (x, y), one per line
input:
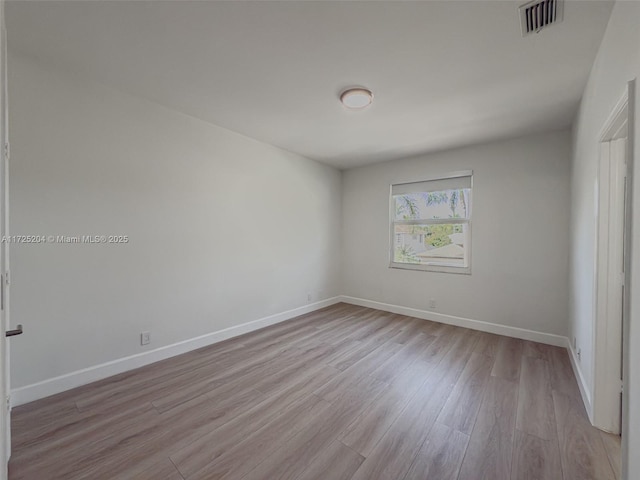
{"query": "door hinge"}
(7, 150)
(8, 402)
(6, 277)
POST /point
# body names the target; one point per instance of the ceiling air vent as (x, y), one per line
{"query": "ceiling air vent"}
(536, 15)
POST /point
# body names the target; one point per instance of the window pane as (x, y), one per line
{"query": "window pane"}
(428, 205)
(444, 244)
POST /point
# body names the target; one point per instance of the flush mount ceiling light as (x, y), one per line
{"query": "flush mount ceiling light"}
(356, 98)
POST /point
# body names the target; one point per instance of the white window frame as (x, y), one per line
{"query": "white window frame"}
(435, 267)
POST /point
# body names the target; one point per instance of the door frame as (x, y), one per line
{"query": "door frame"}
(609, 351)
(5, 413)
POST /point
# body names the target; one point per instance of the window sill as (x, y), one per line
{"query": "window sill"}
(432, 268)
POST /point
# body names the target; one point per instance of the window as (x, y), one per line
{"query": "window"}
(431, 224)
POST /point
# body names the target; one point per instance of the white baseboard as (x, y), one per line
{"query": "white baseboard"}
(71, 380)
(524, 334)
(582, 384)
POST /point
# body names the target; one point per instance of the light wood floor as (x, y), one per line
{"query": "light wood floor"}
(342, 393)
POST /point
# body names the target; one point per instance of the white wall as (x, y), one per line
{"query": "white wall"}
(223, 229)
(520, 241)
(618, 61)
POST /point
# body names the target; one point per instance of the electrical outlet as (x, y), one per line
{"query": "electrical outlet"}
(145, 338)
(432, 303)
(309, 296)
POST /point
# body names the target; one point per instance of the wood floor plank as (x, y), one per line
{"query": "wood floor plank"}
(294, 456)
(286, 454)
(27, 426)
(209, 447)
(561, 373)
(337, 462)
(463, 403)
(392, 456)
(535, 403)
(340, 330)
(83, 441)
(297, 372)
(170, 399)
(440, 456)
(360, 369)
(74, 434)
(537, 350)
(432, 353)
(582, 451)
(488, 344)
(412, 328)
(278, 372)
(362, 326)
(612, 446)
(536, 459)
(428, 327)
(369, 344)
(339, 320)
(376, 322)
(162, 469)
(443, 329)
(507, 363)
(366, 431)
(488, 456)
(341, 348)
(177, 427)
(363, 434)
(260, 445)
(413, 350)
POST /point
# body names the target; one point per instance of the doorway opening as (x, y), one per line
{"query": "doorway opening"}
(612, 268)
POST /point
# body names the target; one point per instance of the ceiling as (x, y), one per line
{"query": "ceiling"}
(444, 73)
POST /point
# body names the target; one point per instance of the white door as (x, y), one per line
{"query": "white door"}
(617, 214)
(5, 419)
(611, 265)
(610, 286)
(610, 299)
